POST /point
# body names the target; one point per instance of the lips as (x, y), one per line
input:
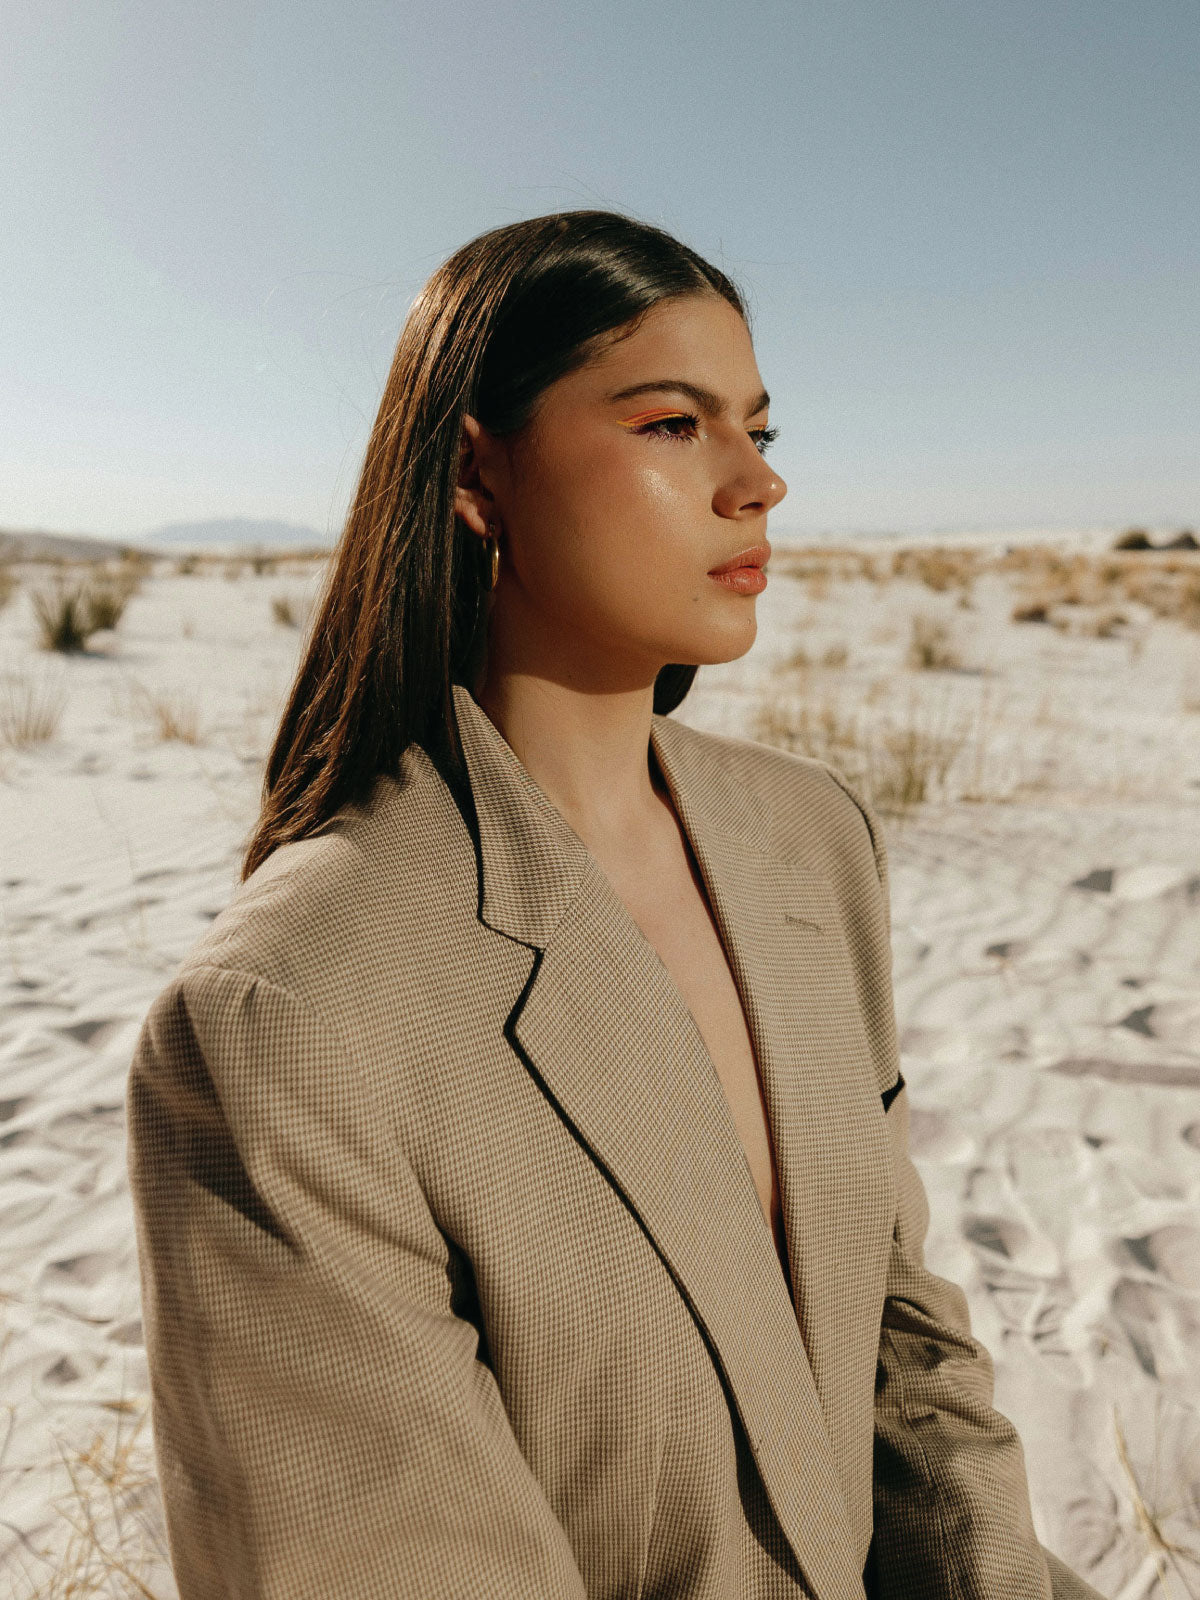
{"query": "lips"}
(756, 556)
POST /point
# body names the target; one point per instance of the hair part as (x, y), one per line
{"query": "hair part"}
(402, 613)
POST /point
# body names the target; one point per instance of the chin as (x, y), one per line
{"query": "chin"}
(720, 644)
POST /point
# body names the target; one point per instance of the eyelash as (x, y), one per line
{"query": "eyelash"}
(763, 437)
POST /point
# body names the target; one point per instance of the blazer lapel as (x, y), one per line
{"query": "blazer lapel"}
(604, 1029)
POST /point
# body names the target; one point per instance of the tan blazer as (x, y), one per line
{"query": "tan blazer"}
(455, 1278)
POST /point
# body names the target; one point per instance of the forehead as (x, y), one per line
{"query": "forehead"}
(700, 337)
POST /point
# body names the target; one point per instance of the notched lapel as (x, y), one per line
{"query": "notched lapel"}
(604, 1029)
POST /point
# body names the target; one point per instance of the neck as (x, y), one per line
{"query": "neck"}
(589, 753)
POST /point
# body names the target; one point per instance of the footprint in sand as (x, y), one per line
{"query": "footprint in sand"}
(1172, 1251)
(1002, 1232)
(1175, 1020)
(62, 1372)
(936, 1137)
(1009, 1241)
(94, 1031)
(1098, 881)
(1159, 1328)
(83, 1271)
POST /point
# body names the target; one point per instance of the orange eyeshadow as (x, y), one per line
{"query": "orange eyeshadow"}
(648, 416)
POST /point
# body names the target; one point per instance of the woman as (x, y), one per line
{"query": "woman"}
(523, 1198)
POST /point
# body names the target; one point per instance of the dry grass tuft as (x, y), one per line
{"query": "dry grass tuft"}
(8, 584)
(898, 761)
(931, 646)
(63, 618)
(30, 710)
(833, 656)
(1151, 1520)
(287, 612)
(173, 715)
(107, 600)
(111, 1545)
(940, 567)
(69, 613)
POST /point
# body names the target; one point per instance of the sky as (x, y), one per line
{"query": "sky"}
(969, 235)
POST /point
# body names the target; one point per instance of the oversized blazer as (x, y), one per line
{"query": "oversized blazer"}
(455, 1278)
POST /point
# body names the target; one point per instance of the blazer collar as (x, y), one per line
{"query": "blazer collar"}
(533, 860)
(606, 1032)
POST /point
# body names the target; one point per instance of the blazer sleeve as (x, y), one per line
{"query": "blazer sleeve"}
(323, 1423)
(951, 1500)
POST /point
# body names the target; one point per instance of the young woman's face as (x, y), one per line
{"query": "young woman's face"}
(615, 505)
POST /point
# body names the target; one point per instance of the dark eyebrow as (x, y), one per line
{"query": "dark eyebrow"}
(710, 403)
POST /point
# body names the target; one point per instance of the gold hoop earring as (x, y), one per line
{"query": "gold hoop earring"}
(493, 538)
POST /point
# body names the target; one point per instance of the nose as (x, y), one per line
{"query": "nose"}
(753, 489)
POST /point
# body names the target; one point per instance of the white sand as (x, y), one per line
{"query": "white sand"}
(1047, 945)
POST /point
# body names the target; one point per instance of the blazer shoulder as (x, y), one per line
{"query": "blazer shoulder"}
(813, 813)
(365, 881)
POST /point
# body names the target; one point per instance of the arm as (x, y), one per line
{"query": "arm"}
(323, 1424)
(952, 1513)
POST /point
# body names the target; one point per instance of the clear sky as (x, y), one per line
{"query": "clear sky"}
(968, 231)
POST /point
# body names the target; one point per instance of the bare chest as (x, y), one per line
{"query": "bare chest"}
(671, 908)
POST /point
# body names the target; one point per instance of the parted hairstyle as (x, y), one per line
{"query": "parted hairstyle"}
(403, 609)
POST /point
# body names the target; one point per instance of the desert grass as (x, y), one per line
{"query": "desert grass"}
(1166, 584)
(63, 617)
(931, 646)
(1152, 1517)
(107, 599)
(939, 568)
(68, 613)
(109, 1540)
(171, 714)
(30, 710)
(899, 758)
(289, 613)
(1165, 581)
(8, 584)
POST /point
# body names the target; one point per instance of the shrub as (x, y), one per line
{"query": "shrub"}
(171, 715)
(64, 617)
(106, 600)
(931, 646)
(30, 711)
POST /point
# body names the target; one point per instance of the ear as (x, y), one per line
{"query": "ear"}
(474, 502)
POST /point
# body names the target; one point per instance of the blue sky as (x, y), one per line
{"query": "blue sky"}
(968, 232)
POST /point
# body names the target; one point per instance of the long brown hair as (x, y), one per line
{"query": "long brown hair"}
(402, 613)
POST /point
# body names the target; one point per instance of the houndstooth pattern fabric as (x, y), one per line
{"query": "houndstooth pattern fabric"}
(455, 1280)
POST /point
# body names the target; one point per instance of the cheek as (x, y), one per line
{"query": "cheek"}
(615, 530)
(635, 498)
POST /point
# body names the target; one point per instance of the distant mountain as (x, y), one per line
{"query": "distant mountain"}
(238, 532)
(38, 546)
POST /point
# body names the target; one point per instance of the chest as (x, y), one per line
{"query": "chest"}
(670, 906)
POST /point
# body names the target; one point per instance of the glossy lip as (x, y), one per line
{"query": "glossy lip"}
(756, 556)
